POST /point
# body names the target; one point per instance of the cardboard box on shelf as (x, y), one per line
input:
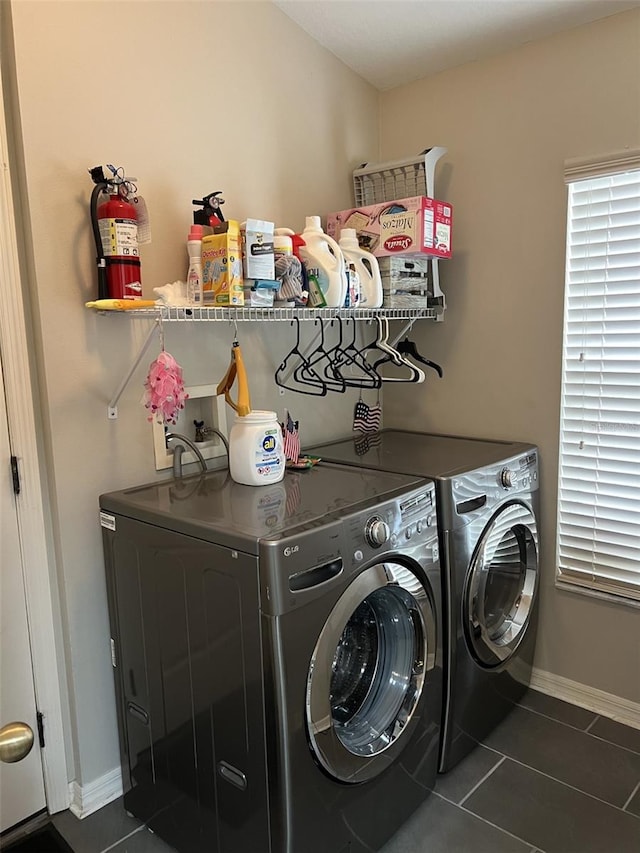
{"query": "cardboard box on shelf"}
(222, 282)
(406, 281)
(257, 249)
(407, 226)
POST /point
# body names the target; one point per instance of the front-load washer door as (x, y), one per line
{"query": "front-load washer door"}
(501, 585)
(368, 670)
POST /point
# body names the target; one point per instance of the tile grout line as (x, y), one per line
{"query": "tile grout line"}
(584, 731)
(592, 723)
(124, 838)
(572, 787)
(631, 796)
(612, 743)
(477, 785)
(556, 720)
(488, 822)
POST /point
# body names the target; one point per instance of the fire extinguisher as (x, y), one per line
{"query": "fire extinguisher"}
(114, 222)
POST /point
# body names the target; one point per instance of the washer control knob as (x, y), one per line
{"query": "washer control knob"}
(377, 532)
(506, 478)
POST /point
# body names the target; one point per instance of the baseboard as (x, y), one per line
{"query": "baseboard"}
(615, 707)
(86, 799)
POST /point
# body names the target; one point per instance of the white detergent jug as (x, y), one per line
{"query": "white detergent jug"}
(256, 453)
(367, 267)
(322, 254)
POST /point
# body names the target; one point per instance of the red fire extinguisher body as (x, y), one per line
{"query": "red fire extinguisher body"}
(118, 225)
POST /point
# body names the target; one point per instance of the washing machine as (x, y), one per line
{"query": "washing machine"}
(488, 508)
(277, 654)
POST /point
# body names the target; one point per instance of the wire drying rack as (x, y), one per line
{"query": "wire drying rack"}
(374, 183)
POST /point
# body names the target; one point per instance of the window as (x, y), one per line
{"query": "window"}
(598, 543)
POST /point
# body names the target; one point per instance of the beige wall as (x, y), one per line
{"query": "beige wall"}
(189, 97)
(509, 123)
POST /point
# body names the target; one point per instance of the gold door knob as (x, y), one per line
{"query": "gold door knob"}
(16, 740)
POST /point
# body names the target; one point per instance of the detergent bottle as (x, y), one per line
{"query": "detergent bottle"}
(366, 266)
(322, 254)
(256, 452)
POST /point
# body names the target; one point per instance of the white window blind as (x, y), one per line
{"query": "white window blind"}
(599, 478)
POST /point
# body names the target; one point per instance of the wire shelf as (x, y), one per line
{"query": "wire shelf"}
(229, 315)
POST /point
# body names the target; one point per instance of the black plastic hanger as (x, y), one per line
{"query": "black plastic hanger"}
(407, 347)
(311, 379)
(349, 356)
(319, 363)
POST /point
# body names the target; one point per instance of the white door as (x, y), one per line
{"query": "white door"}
(21, 781)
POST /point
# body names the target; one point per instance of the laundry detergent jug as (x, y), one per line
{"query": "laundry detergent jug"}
(256, 453)
(366, 266)
(322, 254)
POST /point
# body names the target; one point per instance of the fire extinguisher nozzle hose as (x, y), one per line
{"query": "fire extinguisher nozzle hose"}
(103, 291)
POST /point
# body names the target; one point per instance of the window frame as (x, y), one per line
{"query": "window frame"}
(567, 577)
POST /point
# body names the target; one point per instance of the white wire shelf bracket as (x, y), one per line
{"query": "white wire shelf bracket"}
(190, 314)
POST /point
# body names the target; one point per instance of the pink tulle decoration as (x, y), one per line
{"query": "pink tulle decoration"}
(164, 394)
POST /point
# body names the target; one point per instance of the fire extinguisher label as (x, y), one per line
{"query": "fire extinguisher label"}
(119, 237)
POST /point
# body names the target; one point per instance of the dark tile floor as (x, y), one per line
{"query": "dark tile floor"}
(552, 778)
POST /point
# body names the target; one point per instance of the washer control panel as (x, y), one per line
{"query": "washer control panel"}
(410, 519)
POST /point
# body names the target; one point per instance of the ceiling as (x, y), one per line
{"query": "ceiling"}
(393, 42)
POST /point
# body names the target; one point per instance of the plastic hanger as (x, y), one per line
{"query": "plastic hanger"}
(350, 356)
(391, 355)
(296, 356)
(319, 361)
(236, 369)
(407, 347)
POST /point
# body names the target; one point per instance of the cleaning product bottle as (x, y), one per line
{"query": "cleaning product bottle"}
(321, 252)
(366, 266)
(194, 274)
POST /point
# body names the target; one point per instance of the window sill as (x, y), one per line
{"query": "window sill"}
(620, 600)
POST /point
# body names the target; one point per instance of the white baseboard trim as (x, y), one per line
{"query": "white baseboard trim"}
(615, 707)
(86, 799)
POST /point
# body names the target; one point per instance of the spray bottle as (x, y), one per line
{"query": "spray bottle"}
(210, 215)
(194, 274)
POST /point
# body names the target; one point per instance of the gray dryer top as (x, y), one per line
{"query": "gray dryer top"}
(212, 507)
(422, 454)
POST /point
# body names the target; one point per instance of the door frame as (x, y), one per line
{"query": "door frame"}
(37, 562)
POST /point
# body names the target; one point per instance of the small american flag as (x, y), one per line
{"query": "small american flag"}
(291, 439)
(367, 418)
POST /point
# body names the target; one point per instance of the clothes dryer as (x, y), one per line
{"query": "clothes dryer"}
(488, 506)
(278, 657)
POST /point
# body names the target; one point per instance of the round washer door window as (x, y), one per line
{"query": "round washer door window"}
(502, 584)
(368, 671)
